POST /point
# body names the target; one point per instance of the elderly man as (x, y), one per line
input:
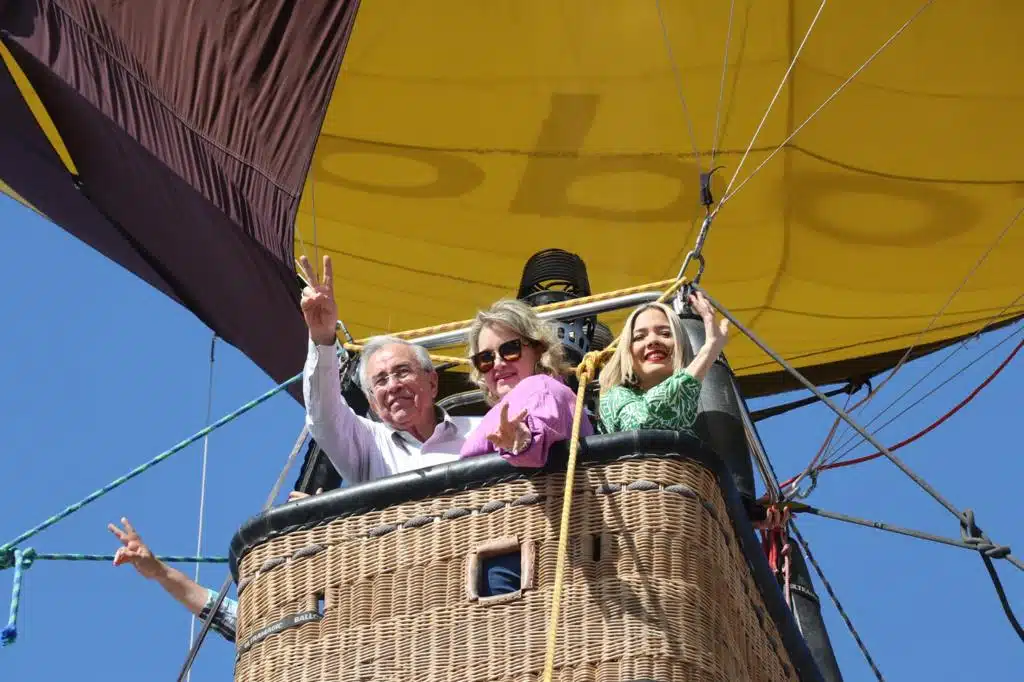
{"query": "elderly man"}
(400, 384)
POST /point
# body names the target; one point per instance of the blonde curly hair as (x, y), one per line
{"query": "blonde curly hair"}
(520, 318)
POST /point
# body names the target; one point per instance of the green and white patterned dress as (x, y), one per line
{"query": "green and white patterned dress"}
(672, 404)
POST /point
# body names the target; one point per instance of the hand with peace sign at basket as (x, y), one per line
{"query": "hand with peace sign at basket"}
(318, 305)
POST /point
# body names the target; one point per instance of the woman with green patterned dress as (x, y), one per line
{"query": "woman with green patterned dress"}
(645, 385)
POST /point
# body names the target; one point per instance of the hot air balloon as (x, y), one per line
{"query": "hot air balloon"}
(799, 161)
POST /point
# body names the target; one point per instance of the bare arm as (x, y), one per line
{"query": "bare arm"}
(704, 358)
(189, 593)
(715, 338)
(135, 552)
(185, 591)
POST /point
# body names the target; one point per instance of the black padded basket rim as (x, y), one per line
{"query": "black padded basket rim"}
(476, 472)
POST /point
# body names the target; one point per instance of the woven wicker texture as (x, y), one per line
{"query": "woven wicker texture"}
(656, 587)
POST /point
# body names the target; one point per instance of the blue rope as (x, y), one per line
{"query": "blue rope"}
(5, 550)
(22, 560)
(171, 559)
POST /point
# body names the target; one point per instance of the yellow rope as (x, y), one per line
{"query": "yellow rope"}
(560, 305)
(674, 285)
(436, 359)
(585, 371)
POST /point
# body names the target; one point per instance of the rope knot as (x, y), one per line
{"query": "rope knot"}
(994, 551)
(12, 557)
(775, 538)
(776, 518)
(592, 362)
(971, 534)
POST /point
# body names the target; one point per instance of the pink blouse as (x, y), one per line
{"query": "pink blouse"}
(550, 405)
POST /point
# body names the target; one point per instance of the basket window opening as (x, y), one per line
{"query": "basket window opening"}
(500, 574)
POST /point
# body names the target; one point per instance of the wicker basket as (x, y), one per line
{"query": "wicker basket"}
(658, 583)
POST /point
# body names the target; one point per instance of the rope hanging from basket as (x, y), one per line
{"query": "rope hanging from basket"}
(778, 547)
(585, 372)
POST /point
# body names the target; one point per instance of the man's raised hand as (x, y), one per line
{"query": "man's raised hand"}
(318, 305)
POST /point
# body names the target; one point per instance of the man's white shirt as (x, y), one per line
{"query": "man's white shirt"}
(362, 449)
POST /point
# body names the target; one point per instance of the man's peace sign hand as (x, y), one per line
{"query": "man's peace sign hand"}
(318, 306)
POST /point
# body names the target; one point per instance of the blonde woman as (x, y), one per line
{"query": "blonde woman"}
(645, 385)
(518, 362)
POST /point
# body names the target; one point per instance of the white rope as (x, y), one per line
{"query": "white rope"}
(935, 318)
(312, 205)
(678, 76)
(729, 192)
(202, 484)
(305, 251)
(778, 91)
(312, 208)
(279, 483)
(843, 450)
(721, 86)
(728, 195)
(960, 347)
(827, 452)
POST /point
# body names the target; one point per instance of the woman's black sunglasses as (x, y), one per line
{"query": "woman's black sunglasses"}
(510, 351)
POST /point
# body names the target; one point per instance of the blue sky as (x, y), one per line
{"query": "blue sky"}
(102, 373)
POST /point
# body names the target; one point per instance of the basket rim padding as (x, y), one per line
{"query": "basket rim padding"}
(478, 472)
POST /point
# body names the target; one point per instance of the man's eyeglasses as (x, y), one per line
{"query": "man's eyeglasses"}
(402, 373)
(510, 351)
